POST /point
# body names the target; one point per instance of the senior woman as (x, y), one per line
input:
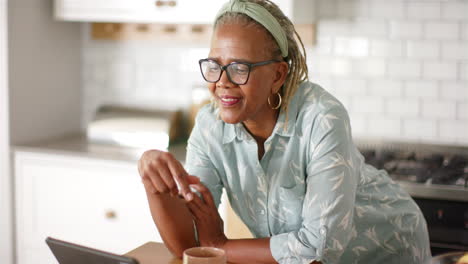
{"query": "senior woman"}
(282, 149)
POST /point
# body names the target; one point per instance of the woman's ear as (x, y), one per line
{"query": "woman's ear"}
(282, 69)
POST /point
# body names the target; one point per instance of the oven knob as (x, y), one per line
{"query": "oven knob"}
(440, 214)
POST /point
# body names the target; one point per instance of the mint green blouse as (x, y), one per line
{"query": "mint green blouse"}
(311, 192)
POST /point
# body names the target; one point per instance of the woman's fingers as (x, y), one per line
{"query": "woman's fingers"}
(180, 175)
(148, 185)
(166, 176)
(197, 207)
(166, 173)
(206, 194)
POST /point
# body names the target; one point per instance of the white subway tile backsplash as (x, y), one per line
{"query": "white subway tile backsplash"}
(441, 30)
(464, 71)
(384, 127)
(402, 107)
(358, 125)
(423, 10)
(341, 67)
(465, 31)
(438, 109)
(420, 128)
(334, 27)
(369, 68)
(357, 8)
(423, 49)
(326, 8)
(455, 91)
(122, 78)
(455, 50)
(369, 28)
(440, 70)
(421, 89)
(350, 86)
(404, 69)
(385, 88)
(353, 47)
(406, 30)
(386, 48)
(369, 105)
(455, 10)
(387, 9)
(462, 111)
(324, 46)
(453, 130)
(330, 66)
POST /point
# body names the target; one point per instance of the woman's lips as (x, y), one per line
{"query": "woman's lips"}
(228, 101)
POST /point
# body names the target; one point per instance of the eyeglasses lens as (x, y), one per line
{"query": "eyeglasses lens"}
(238, 73)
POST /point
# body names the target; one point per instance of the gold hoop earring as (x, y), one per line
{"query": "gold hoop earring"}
(279, 104)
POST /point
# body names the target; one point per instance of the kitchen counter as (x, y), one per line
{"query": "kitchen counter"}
(153, 253)
(78, 145)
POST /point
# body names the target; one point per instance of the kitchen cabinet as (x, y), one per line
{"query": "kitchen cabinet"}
(142, 11)
(98, 203)
(165, 11)
(83, 196)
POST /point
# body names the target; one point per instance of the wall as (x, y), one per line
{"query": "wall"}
(400, 67)
(44, 72)
(6, 185)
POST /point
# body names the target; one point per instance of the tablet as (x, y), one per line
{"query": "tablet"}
(70, 253)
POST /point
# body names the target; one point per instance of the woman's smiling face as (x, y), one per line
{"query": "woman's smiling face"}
(248, 102)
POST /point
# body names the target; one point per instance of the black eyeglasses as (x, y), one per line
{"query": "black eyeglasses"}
(237, 72)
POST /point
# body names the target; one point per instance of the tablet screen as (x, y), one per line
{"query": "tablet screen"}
(70, 253)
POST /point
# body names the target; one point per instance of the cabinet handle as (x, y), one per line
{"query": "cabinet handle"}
(111, 214)
(160, 3)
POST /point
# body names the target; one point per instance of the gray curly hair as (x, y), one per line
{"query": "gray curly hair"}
(296, 58)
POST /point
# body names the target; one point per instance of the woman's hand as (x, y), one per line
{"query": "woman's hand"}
(209, 223)
(160, 171)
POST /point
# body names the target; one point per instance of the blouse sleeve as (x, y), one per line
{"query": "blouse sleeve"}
(327, 210)
(198, 162)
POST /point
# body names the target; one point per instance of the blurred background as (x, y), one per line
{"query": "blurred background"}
(82, 83)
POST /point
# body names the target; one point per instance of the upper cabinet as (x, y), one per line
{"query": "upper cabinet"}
(164, 11)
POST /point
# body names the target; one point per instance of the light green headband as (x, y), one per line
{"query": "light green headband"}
(262, 16)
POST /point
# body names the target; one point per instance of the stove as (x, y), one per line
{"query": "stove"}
(436, 177)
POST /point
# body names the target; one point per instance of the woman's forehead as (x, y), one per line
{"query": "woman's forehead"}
(239, 41)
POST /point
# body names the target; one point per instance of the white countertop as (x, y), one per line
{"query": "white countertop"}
(78, 145)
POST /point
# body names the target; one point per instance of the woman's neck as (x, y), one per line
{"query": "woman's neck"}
(262, 128)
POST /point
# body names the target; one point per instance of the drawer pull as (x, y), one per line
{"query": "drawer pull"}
(111, 214)
(161, 3)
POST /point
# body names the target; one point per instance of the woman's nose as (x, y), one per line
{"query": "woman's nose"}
(224, 80)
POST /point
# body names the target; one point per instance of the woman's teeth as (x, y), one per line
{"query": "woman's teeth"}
(229, 101)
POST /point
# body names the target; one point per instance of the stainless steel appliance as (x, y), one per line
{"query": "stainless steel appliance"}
(136, 127)
(436, 177)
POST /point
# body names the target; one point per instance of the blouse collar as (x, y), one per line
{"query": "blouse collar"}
(282, 127)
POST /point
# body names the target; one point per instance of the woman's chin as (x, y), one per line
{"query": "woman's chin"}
(229, 118)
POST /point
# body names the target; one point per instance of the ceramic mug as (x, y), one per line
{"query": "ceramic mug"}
(204, 255)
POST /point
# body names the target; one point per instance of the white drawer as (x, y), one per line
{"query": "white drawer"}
(100, 204)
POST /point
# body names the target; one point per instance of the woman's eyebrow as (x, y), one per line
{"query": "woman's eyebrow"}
(230, 59)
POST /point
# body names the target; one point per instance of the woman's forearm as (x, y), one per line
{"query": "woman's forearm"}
(249, 250)
(174, 222)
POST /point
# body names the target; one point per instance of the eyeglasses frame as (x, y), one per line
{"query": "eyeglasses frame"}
(223, 68)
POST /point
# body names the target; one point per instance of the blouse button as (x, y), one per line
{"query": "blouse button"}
(323, 231)
(262, 212)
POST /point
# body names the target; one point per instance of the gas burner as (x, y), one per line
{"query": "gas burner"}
(409, 166)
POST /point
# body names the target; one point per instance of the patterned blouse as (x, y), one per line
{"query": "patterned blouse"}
(311, 192)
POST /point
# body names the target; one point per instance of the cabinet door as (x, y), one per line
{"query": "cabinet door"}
(97, 203)
(144, 11)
